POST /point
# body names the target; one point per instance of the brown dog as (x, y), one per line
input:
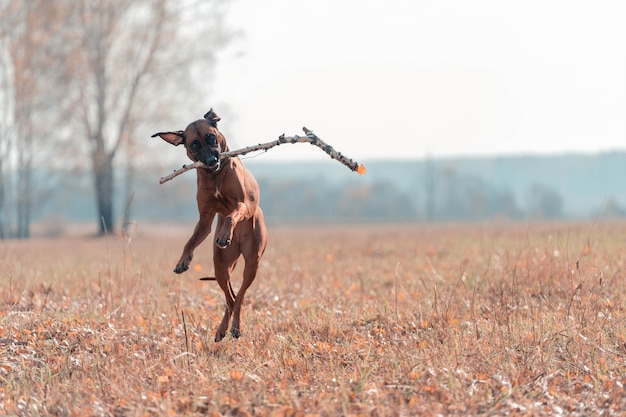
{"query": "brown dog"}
(225, 188)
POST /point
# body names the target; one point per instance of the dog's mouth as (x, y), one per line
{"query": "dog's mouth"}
(214, 166)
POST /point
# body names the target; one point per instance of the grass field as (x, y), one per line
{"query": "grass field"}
(387, 320)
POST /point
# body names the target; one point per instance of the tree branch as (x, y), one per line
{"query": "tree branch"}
(310, 137)
(177, 172)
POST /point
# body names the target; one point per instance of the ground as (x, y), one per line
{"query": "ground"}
(491, 319)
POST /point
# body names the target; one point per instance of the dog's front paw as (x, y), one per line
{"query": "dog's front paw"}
(222, 243)
(224, 238)
(182, 265)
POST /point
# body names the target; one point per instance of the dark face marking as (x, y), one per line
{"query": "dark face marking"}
(202, 144)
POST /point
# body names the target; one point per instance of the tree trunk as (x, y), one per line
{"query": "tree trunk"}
(24, 203)
(25, 169)
(3, 208)
(103, 177)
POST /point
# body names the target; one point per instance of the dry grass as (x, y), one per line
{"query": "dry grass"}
(448, 320)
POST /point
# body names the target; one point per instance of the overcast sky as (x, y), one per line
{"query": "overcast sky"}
(409, 78)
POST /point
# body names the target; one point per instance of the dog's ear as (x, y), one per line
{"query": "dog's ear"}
(212, 118)
(175, 138)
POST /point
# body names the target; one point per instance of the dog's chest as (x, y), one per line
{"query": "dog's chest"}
(215, 197)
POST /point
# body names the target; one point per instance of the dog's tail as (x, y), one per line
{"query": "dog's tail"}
(230, 287)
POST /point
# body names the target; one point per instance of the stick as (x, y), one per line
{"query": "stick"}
(309, 138)
(177, 172)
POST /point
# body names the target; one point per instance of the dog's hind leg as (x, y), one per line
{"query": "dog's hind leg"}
(252, 249)
(249, 273)
(224, 263)
(230, 303)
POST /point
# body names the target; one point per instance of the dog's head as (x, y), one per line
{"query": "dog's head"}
(201, 139)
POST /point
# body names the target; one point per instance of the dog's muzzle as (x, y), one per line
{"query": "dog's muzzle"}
(211, 159)
(214, 166)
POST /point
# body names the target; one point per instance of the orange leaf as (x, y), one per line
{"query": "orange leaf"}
(236, 375)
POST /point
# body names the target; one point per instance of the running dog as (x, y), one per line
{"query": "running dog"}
(227, 189)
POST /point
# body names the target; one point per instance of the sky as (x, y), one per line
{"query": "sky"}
(414, 79)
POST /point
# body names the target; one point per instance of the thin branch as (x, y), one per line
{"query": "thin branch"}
(185, 168)
(134, 84)
(310, 137)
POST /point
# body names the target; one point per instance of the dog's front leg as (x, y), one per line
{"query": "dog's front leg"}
(201, 231)
(225, 234)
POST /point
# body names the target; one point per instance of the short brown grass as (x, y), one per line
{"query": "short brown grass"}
(386, 320)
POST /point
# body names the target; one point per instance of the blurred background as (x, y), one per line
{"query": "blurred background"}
(461, 111)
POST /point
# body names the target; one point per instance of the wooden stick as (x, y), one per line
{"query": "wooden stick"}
(185, 168)
(309, 138)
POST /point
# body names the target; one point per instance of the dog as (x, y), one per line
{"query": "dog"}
(227, 189)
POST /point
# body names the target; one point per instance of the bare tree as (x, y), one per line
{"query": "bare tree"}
(78, 80)
(30, 36)
(5, 139)
(125, 49)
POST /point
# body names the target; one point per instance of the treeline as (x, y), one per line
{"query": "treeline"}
(310, 202)
(458, 199)
(327, 193)
(462, 189)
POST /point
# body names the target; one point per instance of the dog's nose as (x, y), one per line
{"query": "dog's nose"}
(213, 164)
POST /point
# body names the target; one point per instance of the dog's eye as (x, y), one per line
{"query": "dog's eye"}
(195, 146)
(211, 139)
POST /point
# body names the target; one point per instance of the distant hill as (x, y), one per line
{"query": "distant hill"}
(585, 182)
(573, 186)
